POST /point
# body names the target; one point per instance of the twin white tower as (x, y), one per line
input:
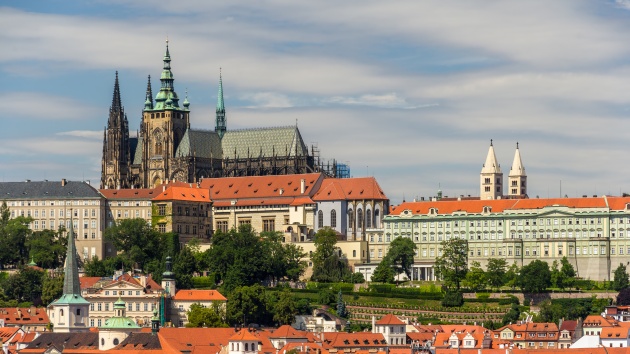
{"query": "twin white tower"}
(491, 183)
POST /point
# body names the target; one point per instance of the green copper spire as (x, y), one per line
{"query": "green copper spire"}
(220, 126)
(32, 262)
(166, 98)
(71, 285)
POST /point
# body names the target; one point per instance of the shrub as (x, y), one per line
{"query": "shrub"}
(453, 299)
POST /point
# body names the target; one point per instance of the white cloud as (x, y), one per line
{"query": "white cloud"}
(268, 100)
(88, 134)
(42, 106)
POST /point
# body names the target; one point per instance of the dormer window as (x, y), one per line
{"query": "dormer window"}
(487, 210)
(433, 211)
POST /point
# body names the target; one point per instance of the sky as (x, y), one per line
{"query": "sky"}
(410, 92)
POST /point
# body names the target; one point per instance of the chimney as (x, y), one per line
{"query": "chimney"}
(64, 182)
(163, 188)
(281, 191)
(302, 186)
(373, 324)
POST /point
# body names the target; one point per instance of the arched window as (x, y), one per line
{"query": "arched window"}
(246, 347)
(377, 221)
(320, 219)
(350, 219)
(158, 148)
(60, 312)
(78, 312)
(116, 341)
(368, 218)
(360, 219)
(102, 341)
(333, 218)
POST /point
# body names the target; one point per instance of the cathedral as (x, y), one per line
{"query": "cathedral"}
(168, 149)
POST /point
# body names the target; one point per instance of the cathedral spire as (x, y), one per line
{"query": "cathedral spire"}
(221, 125)
(491, 165)
(517, 165)
(167, 98)
(148, 102)
(116, 111)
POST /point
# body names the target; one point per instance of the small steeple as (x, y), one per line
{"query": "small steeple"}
(166, 98)
(517, 165)
(186, 103)
(71, 284)
(148, 102)
(517, 179)
(491, 165)
(221, 124)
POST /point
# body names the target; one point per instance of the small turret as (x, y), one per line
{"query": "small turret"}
(517, 178)
(155, 322)
(168, 278)
(491, 186)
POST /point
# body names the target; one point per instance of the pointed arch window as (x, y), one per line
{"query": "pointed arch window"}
(377, 220)
(320, 219)
(333, 218)
(368, 218)
(350, 219)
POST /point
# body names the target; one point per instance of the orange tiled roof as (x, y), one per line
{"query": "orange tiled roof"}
(141, 193)
(88, 282)
(287, 331)
(198, 295)
(193, 194)
(614, 332)
(597, 321)
(500, 205)
(349, 189)
(24, 316)
(357, 339)
(229, 188)
(390, 319)
(306, 348)
(243, 335)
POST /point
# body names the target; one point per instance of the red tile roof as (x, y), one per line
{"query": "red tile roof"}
(193, 194)
(353, 340)
(349, 189)
(287, 331)
(88, 282)
(229, 188)
(244, 335)
(198, 295)
(24, 316)
(500, 205)
(390, 319)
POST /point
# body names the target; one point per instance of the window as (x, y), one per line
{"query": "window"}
(360, 218)
(320, 219)
(162, 228)
(222, 225)
(269, 225)
(161, 209)
(333, 218)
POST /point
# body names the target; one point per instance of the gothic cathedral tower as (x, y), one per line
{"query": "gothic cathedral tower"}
(491, 177)
(163, 126)
(116, 155)
(517, 179)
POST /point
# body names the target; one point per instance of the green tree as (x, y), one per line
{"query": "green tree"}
(620, 279)
(452, 265)
(285, 308)
(512, 275)
(295, 263)
(341, 306)
(534, 277)
(326, 297)
(383, 272)
(568, 271)
(210, 317)
(328, 267)
(623, 298)
(52, 288)
(247, 305)
(476, 277)
(401, 253)
(495, 272)
(558, 278)
(47, 248)
(512, 315)
(137, 241)
(184, 266)
(25, 285)
(13, 236)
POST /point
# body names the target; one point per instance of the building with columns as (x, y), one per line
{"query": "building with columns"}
(593, 233)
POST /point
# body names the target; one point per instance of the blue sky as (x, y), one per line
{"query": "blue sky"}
(409, 92)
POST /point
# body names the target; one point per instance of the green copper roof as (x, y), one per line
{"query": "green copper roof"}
(71, 284)
(119, 323)
(220, 103)
(167, 97)
(32, 262)
(119, 303)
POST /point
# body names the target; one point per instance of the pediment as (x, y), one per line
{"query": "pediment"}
(122, 285)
